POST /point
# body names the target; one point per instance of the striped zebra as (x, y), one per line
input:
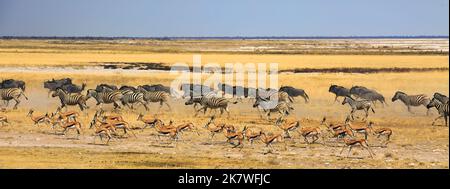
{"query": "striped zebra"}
(156, 96)
(106, 97)
(12, 94)
(365, 105)
(440, 97)
(196, 100)
(269, 106)
(442, 109)
(133, 97)
(72, 99)
(213, 103)
(411, 100)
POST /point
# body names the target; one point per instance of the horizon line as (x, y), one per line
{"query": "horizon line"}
(231, 37)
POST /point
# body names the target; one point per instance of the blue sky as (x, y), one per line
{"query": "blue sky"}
(157, 18)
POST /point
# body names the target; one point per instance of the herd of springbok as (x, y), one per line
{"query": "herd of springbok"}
(111, 125)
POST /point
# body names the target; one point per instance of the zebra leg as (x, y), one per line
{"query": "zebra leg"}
(145, 106)
(446, 120)
(228, 112)
(170, 108)
(81, 107)
(409, 109)
(437, 119)
(17, 103)
(367, 113)
(196, 112)
(160, 106)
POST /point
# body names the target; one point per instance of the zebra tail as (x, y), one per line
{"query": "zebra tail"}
(372, 109)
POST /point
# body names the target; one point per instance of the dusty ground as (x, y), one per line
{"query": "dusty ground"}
(415, 143)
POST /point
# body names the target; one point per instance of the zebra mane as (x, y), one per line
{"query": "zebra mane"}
(60, 89)
(439, 94)
(400, 92)
(350, 98)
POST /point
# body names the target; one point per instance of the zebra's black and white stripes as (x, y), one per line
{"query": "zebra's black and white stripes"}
(130, 97)
(106, 97)
(442, 108)
(212, 103)
(365, 105)
(70, 99)
(12, 94)
(156, 96)
(411, 100)
(271, 106)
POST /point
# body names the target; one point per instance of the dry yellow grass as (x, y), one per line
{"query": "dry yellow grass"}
(284, 61)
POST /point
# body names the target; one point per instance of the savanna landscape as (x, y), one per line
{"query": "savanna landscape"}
(413, 66)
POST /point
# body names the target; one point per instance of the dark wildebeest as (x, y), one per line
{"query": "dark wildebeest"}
(237, 91)
(127, 87)
(53, 84)
(367, 94)
(105, 87)
(72, 88)
(358, 90)
(12, 83)
(154, 88)
(294, 92)
(339, 91)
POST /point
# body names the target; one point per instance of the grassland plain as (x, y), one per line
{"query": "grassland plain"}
(415, 143)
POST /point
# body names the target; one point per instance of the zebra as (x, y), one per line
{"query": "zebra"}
(106, 97)
(268, 106)
(213, 103)
(442, 109)
(358, 105)
(12, 94)
(72, 99)
(196, 100)
(411, 100)
(156, 96)
(133, 97)
(442, 98)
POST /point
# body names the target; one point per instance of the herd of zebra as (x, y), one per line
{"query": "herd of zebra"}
(266, 100)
